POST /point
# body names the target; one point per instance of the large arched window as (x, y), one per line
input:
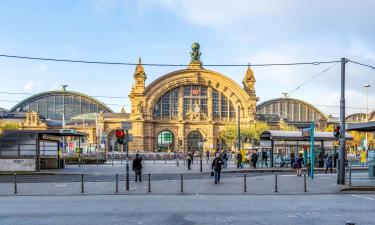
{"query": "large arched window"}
(167, 105)
(222, 107)
(195, 98)
(165, 140)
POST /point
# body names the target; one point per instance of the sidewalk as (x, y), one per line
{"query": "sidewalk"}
(170, 167)
(265, 184)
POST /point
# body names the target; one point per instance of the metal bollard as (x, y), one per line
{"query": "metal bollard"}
(182, 183)
(97, 162)
(79, 162)
(116, 183)
(15, 183)
(244, 183)
(165, 161)
(82, 185)
(350, 175)
(276, 182)
(304, 183)
(112, 160)
(149, 183)
(154, 161)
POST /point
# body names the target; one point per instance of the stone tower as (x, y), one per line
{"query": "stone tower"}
(249, 82)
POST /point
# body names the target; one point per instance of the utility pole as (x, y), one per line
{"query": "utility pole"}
(366, 86)
(342, 151)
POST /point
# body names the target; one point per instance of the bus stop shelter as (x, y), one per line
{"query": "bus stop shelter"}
(294, 141)
(366, 127)
(27, 150)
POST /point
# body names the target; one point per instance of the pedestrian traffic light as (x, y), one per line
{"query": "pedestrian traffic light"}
(120, 136)
(336, 131)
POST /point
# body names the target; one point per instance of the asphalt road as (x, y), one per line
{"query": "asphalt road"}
(188, 210)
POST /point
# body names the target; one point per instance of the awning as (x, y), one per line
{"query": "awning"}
(367, 126)
(278, 135)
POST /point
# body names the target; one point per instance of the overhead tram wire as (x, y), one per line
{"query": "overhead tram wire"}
(162, 65)
(312, 78)
(362, 64)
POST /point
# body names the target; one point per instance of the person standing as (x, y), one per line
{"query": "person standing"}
(264, 158)
(292, 158)
(320, 160)
(329, 163)
(225, 158)
(216, 167)
(208, 155)
(239, 160)
(189, 159)
(254, 159)
(299, 162)
(137, 167)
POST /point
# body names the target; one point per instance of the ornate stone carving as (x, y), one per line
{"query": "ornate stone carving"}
(197, 77)
(251, 111)
(140, 107)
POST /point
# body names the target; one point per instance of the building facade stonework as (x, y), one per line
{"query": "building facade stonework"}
(184, 107)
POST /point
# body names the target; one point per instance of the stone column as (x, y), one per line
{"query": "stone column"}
(209, 104)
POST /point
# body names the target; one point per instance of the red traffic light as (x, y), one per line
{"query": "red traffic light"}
(120, 134)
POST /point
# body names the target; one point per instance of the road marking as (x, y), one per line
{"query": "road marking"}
(364, 197)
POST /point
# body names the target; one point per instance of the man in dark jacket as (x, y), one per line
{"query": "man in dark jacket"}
(328, 163)
(264, 158)
(189, 159)
(137, 167)
(216, 167)
(254, 159)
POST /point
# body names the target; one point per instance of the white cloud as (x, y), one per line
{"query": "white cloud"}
(29, 86)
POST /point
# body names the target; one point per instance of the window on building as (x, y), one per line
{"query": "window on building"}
(165, 140)
(167, 105)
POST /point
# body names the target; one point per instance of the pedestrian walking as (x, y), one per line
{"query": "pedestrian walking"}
(264, 158)
(328, 163)
(216, 167)
(225, 159)
(320, 160)
(298, 164)
(254, 159)
(239, 160)
(208, 155)
(137, 167)
(189, 160)
(292, 159)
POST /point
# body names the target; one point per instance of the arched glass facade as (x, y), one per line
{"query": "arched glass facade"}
(59, 104)
(195, 99)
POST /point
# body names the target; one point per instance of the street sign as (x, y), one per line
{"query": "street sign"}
(126, 125)
(69, 131)
(306, 132)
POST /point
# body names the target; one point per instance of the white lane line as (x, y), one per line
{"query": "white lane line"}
(364, 197)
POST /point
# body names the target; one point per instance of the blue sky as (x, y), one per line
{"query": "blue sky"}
(230, 32)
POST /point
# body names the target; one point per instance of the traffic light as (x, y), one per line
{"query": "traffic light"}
(336, 131)
(120, 136)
